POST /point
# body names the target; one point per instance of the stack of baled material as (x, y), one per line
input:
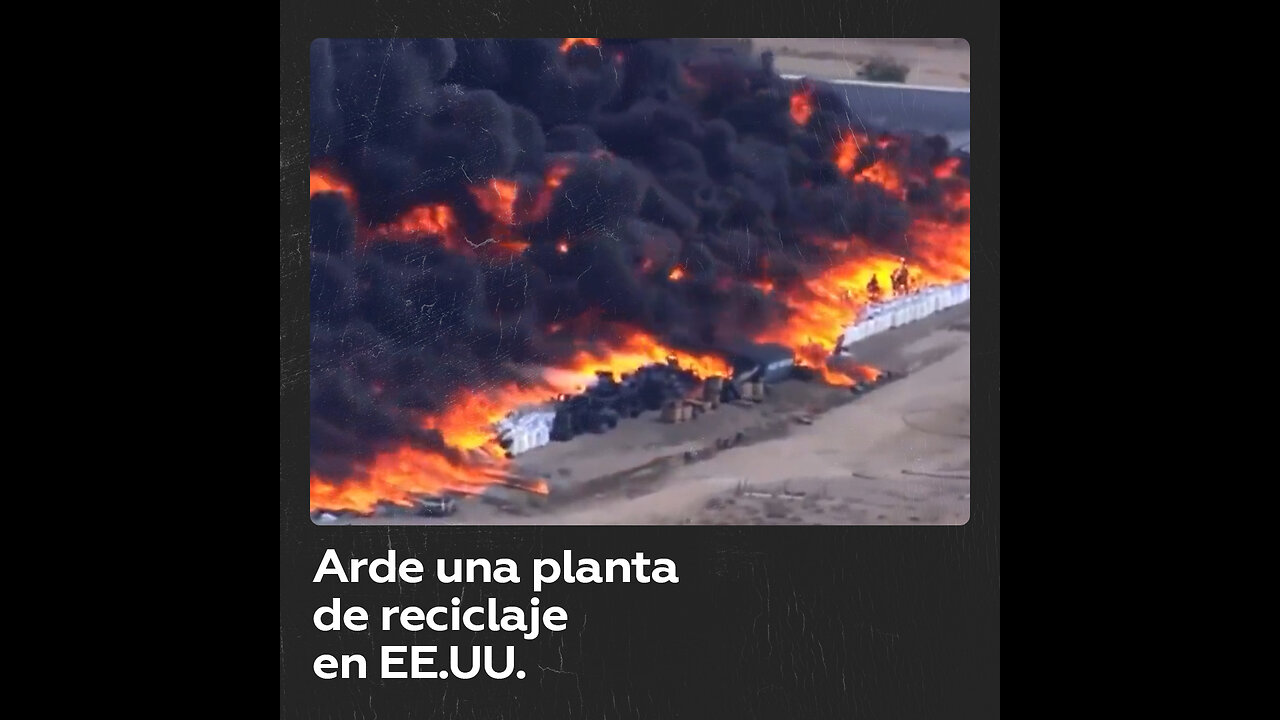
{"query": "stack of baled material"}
(523, 431)
(899, 311)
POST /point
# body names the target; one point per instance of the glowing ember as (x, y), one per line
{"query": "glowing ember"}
(677, 273)
(802, 105)
(570, 42)
(562, 247)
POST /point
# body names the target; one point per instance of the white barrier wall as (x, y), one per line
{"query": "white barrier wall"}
(900, 311)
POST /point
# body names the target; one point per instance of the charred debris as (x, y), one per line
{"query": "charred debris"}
(677, 393)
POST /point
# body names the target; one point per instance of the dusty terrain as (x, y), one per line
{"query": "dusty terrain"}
(899, 455)
(940, 62)
(896, 455)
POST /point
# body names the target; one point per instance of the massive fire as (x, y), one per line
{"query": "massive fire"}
(821, 307)
(467, 426)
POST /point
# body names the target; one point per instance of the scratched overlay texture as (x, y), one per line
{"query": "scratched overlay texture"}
(769, 622)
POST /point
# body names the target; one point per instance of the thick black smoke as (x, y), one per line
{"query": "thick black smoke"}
(676, 159)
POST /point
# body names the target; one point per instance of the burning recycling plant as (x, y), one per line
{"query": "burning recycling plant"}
(517, 241)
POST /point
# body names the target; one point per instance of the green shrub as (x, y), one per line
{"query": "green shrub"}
(884, 69)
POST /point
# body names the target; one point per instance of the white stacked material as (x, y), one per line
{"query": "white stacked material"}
(899, 311)
(526, 429)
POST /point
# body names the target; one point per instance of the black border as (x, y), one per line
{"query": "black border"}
(930, 594)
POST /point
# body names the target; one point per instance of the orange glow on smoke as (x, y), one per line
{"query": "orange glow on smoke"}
(498, 199)
(570, 42)
(515, 246)
(947, 168)
(323, 182)
(881, 172)
(553, 180)
(422, 220)
(802, 105)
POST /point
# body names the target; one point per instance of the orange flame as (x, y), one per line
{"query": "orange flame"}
(847, 152)
(422, 220)
(881, 172)
(570, 42)
(637, 350)
(802, 105)
(323, 182)
(824, 306)
(466, 425)
(677, 273)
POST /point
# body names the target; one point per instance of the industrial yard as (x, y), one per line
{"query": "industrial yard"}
(808, 454)
(696, 283)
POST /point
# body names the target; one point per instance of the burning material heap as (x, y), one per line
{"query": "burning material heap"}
(495, 221)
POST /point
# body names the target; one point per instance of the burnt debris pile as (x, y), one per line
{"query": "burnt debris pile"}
(601, 406)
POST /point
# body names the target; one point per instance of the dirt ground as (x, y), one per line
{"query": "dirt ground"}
(899, 455)
(896, 455)
(940, 62)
